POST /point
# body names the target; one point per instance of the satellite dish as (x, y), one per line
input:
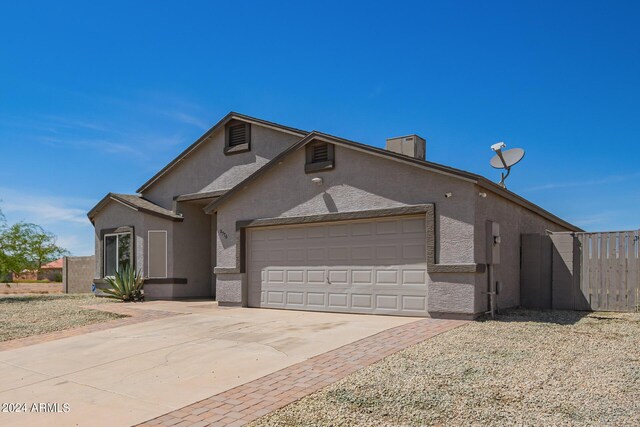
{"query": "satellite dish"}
(505, 159)
(510, 157)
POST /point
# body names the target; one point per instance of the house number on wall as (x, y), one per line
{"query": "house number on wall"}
(222, 234)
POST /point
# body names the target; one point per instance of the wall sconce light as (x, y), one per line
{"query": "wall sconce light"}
(317, 180)
(483, 195)
(447, 195)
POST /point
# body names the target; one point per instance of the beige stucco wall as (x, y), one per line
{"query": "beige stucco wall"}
(514, 220)
(187, 247)
(209, 169)
(360, 181)
(192, 252)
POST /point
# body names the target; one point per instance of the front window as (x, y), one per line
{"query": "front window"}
(117, 252)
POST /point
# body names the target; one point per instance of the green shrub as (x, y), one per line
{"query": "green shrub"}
(57, 277)
(126, 285)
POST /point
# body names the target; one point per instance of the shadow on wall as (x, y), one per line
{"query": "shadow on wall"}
(550, 273)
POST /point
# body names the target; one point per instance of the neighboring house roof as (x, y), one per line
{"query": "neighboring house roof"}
(137, 203)
(53, 264)
(231, 116)
(431, 166)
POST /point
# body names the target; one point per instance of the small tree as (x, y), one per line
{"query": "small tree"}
(25, 246)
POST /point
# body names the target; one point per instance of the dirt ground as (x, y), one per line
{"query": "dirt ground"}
(526, 368)
(30, 288)
(27, 315)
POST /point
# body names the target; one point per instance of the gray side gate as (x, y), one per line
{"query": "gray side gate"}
(581, 271)
(610, 270)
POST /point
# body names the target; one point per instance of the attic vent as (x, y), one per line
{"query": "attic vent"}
(320, 156)
(320, 153)
(237, 135)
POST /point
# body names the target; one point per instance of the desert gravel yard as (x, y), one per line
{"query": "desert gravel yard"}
(525, 368)
(27, 315)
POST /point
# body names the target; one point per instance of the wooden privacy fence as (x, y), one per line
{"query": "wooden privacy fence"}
(581, 271)
(610, 270)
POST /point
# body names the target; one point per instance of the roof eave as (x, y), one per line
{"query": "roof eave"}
(114, 197)
(434, 167)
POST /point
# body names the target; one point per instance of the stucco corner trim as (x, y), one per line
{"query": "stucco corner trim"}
(432, 265)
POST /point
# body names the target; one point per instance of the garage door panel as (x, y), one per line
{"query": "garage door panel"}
(337, 277)
(316, 299)
(361, 229)
(275, 297)
(338, 300)
(339, 230)
(386, 302)
(387, 277)
(295, 298)
(316, 232)
(414, 277)
(295, 276)
(362, 253)
(338, 254)
(316, 276)
(385, 253)
(414, 251)
(296, 255)
(414, 303)
(362, 301)
(387, 227)
(362, 277)
(316, 254)
(367, 266)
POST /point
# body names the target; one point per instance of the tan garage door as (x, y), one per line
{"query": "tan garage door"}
(367, 266)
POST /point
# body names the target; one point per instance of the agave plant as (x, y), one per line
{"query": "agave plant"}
(126, 285)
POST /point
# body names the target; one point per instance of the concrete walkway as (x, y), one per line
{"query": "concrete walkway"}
(250, 401)
(129, 374)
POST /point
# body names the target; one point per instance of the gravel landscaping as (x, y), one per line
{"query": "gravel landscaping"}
(27, 315)
(525, 368)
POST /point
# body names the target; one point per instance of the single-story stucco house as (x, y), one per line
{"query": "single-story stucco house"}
(259, 214)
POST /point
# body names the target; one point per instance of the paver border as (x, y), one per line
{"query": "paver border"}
(133, 316)
(250, 401)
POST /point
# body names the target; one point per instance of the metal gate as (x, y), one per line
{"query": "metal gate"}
(610, 270)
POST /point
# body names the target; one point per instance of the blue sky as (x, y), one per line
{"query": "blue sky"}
(98, 97)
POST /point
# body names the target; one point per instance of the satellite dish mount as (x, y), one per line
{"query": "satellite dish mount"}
(505, 159)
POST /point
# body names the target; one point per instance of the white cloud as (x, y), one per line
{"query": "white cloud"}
(187, 119)
(585, 183)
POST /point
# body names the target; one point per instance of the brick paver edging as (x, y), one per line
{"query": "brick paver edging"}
(250, 401)
(134, 316)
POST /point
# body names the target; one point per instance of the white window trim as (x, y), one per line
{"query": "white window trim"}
(166, 254)
(104, 250)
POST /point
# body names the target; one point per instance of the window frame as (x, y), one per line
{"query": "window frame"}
(117, 232)
(238, 148)
(311, 166)
(166, 254)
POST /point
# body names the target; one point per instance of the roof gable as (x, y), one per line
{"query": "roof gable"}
(421, 164)
(226, 119)
(136, 203)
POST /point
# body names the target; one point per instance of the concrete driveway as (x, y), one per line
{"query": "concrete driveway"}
(127, 375)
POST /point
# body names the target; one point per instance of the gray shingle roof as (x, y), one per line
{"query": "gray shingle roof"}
(138, 203)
